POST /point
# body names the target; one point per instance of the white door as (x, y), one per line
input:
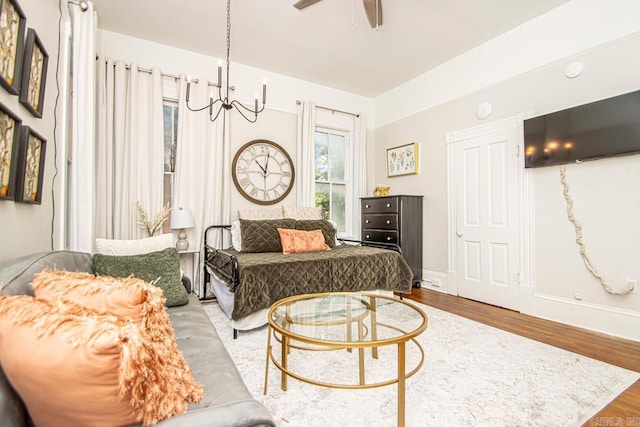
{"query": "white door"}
(485, 170)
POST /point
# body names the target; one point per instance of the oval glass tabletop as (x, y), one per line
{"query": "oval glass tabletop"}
(347, 318)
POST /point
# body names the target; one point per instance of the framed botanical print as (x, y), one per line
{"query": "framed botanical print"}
(12, 23)
(31, 172)
(9, 152)
(34, 74)
(403, 160)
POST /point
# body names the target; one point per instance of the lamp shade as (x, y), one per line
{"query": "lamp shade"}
(181, 218)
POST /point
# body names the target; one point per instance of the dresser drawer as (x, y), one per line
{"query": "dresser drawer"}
(382, 205)
(381, 221)
(380, 236)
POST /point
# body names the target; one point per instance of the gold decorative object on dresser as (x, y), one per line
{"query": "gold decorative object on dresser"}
(395, 219)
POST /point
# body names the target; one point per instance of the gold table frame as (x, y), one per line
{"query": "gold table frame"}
(287, 340)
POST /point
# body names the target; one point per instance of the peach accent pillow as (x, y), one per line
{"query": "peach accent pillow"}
(132, 300)
(302, 241)
(81, 369)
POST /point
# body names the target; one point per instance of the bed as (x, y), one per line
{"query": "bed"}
(247, 281)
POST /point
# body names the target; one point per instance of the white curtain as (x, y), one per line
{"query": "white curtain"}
(129, 152)
(359, 168)
(305, 153)
(81, 169)
(203, 165)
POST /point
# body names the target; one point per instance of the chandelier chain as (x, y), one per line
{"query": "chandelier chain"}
(228, 46)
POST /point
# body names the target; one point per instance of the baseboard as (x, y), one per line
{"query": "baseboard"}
(435, 281)
(611, 321)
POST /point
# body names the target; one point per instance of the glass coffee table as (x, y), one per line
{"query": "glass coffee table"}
(346, 321)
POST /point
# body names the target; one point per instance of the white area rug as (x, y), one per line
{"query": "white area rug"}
(473, 374)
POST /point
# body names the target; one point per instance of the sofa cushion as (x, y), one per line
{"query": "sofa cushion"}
(262, 235)
(162, 268)
(294, 241)
(328, 229)
(80, 368)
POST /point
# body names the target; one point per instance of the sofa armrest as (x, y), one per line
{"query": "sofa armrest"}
(244, 413)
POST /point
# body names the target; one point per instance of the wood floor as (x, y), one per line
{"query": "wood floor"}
(623, 411)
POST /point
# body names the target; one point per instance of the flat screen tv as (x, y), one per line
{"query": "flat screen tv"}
(610, 127)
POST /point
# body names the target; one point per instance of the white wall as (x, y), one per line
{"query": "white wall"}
(27, 228)
(606, 192)
(277, 123)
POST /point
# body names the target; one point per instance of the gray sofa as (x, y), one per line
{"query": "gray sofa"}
(226, 402)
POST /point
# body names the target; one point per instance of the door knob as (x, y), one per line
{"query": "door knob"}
(459, 233)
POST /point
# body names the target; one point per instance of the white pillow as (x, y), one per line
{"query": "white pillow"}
(256, 214)
(236, 236)
(301, 213)
(134, 247)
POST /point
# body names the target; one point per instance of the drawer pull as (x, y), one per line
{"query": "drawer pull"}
(388, 205)
(367, 206)
(367, 221)
(388, 221)
(389, 238)
(368, 236)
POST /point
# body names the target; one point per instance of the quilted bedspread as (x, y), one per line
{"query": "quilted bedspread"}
(268, 277)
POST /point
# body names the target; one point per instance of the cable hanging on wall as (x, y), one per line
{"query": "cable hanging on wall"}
(578, 228)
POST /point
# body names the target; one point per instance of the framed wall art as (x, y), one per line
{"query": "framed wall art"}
(34, 74)
(403, 160)
(9, 152)
(31, 171)
(12, 23)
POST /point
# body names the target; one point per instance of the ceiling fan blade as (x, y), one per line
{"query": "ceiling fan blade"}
(301, 4)
(373, 9)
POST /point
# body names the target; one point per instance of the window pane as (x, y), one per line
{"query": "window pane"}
(322, 156)
(168, 136)
(322, 198)
(338, 206)
(337, 153)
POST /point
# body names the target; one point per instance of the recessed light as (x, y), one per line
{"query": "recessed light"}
(574, 69)
(483, 110)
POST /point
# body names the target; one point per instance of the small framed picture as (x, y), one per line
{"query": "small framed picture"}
(12, 23)
(403, 160)
(34, 74)
(31, 172)
(9, 152)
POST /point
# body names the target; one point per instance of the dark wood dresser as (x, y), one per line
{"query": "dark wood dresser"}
(395, 219)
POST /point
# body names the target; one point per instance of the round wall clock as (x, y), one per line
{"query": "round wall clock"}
(262, 172)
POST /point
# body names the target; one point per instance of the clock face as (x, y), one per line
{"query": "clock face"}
(263, 172)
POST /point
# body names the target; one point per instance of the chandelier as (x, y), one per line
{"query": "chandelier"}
(222, 103)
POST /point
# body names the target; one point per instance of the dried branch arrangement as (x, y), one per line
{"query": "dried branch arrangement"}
(155, 225)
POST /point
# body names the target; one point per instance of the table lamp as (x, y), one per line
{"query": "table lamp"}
(181, 219)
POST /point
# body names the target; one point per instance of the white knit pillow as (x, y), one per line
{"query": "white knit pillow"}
(134, 247)
(257, 214)
(301, 213)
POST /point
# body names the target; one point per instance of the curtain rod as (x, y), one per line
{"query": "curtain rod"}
(333, 110)
(171, 76)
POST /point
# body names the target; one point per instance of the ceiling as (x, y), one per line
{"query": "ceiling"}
(329, 43)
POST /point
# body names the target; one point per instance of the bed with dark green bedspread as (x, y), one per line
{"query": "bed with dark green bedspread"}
(260, 279)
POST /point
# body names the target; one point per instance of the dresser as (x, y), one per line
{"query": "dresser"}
(395, 219)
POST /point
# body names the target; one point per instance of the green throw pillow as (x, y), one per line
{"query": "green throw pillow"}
(262, 235)
(161, 268)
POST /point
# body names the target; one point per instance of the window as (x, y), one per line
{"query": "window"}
(332, 177)
(170, 118)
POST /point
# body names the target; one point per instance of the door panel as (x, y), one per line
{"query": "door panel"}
(487, 248)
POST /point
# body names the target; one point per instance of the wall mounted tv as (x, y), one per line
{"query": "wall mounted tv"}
(610, 127)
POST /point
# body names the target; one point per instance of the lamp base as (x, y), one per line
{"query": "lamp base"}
(182, 244)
